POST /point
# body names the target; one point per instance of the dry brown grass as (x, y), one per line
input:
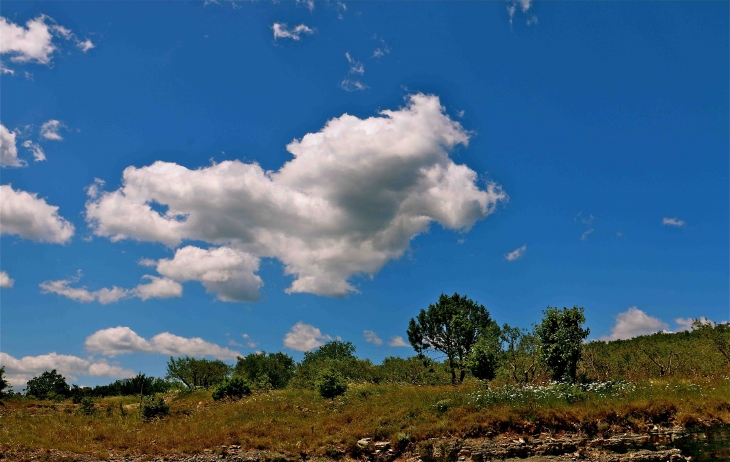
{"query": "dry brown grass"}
(298, 423)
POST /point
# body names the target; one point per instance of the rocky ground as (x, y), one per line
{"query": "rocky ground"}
(651, 447)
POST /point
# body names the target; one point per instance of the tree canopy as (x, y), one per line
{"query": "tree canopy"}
(452, 326)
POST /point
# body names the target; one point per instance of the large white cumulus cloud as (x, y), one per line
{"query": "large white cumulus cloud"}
(349, 202)
(30, 217)
(123, 340)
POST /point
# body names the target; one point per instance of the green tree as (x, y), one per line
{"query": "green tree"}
(452, 326)
(561, 336)
(273, 370)
(4, 384)
(197, 373)
(48, 385)
(484, 357)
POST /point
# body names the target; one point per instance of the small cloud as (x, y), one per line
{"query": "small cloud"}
(633, 323)
(6, 281)
(50, 129)
(516, 254)
(232, 342)
(397, 341)
(249, 341)
(85, 46)
(372, 337)
(281, 30)
(673, 222)
(584, 236)
(305, 337)
(35, 148)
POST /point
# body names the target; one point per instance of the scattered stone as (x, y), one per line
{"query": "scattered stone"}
(363, 443)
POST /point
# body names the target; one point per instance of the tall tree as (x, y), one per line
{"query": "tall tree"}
(48, 385)
(561, 336)
(452, 326)
(195, 373)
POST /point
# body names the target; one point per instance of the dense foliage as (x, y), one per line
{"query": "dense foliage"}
(266, 371)
(197, 373)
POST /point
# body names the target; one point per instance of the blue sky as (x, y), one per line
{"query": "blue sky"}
(535, 154)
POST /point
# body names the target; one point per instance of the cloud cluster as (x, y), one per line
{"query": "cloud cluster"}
(351, 82)
(281, 30)
(19, 371)
(516, 254)
(34, 42)
(30, 217)
(156, 288)
(395, 341)
(305, 337)
(6, 281)
(524, 6)
(9, 149)
(349, 202)
(120, 340)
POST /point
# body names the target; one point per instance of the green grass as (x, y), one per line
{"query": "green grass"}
(297, 423)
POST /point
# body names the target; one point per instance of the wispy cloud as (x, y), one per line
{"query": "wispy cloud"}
(351, 82)
(525, 7)
(516, 254)
(372, 337)
(673, 222)
(281, 30)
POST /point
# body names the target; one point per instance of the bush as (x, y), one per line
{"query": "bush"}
(266, 371)
(331, 384)
(154, 408)
(235, 388)
(87, 406)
